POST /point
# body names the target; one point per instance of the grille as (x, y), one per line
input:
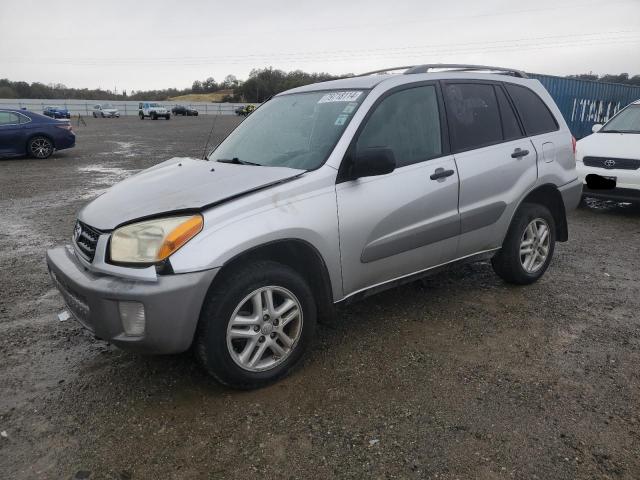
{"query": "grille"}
(86, 239)
(612, 163)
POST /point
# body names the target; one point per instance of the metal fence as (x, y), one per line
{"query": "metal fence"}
(584, 103)
(85, 107)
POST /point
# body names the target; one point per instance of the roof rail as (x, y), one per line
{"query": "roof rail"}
(457, 67)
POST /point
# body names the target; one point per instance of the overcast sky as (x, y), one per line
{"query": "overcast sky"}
(148, 44)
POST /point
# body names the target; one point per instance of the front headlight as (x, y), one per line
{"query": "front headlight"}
(152, 241)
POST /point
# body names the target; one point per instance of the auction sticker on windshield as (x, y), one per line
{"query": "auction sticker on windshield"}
(340, 97)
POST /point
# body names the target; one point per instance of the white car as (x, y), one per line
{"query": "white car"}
(105, 111)
(608, 161)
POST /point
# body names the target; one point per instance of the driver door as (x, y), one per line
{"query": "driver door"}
(396, 224)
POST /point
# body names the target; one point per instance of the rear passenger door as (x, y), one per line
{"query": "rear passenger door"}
(496, 162)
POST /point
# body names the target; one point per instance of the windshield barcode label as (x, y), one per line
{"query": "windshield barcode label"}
(340, 97)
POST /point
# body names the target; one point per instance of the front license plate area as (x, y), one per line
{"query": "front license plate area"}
(601, 182)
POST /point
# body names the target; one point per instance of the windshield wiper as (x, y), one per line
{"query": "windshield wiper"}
(620, 131)
(237, 161)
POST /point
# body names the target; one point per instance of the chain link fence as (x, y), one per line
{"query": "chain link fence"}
(85, 107)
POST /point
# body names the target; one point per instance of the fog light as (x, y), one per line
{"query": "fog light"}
(132, 317)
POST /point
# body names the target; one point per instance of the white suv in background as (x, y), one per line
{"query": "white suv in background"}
(153, 110)
(608, 161)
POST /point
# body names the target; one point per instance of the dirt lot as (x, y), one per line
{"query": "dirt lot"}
(460, 376)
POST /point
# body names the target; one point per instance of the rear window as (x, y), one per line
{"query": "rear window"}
(534, 113)
(474, 117)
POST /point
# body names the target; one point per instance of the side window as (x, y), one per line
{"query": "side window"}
(474, 118)
(407, 122)
(24, 119)
(536, 117)
(510, 127)
(8, 118)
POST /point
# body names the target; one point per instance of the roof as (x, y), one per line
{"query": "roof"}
(348, 83)
(413, 73)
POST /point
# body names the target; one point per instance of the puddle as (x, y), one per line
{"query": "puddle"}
(124, 149)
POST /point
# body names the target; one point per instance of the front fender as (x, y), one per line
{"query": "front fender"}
(304, 210)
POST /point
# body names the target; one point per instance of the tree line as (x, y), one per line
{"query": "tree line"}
(261, 84)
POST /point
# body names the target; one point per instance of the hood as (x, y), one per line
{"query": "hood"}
(176, 185)
(110, 110)
(614, 145)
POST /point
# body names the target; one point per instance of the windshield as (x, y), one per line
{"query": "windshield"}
(154, 104)
(627, 121)
(298, 130)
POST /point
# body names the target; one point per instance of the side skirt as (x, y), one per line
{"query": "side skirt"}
(380, 287)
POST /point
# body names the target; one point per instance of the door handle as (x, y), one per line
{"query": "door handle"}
(441, 173)
(518, 152)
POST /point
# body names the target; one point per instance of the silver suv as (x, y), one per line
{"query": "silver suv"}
(327, 193)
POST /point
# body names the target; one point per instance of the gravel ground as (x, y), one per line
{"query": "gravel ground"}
(459, 376)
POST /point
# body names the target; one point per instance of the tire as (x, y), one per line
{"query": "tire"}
(94, 115)
(40, 147)
(154, 116)
(102, 115)
(168, 117)
(220, 348)
(514, 266)
(141, 115)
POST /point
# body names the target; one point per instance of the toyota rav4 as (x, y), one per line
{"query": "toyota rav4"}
(325, 194)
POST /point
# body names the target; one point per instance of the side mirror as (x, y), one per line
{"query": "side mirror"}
(596, 128)
(373, 161)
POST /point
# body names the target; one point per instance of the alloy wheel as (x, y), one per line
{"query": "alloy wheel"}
(534, 245)
(41, 148)
(264, 328)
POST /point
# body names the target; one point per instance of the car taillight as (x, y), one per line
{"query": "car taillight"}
(573, 144)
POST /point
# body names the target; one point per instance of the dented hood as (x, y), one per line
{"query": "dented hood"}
(175, 185)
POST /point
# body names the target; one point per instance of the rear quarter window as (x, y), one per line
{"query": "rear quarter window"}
(534, 113)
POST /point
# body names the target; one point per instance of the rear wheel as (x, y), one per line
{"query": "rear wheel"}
(40, 147)
(528, 247)
(168, 117)
(256, 325)
(154, 116)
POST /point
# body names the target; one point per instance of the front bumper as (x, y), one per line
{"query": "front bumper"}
(631, 195)
(627, 184)
(172, 303)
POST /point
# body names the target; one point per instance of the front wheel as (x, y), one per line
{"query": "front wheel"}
(256, 325)
(141, 115)
(528, 247)
(168, 117)
(40, 147)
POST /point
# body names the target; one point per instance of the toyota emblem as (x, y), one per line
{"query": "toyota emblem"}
(609, 163)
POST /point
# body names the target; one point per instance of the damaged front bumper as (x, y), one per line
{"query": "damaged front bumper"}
(171, 304)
